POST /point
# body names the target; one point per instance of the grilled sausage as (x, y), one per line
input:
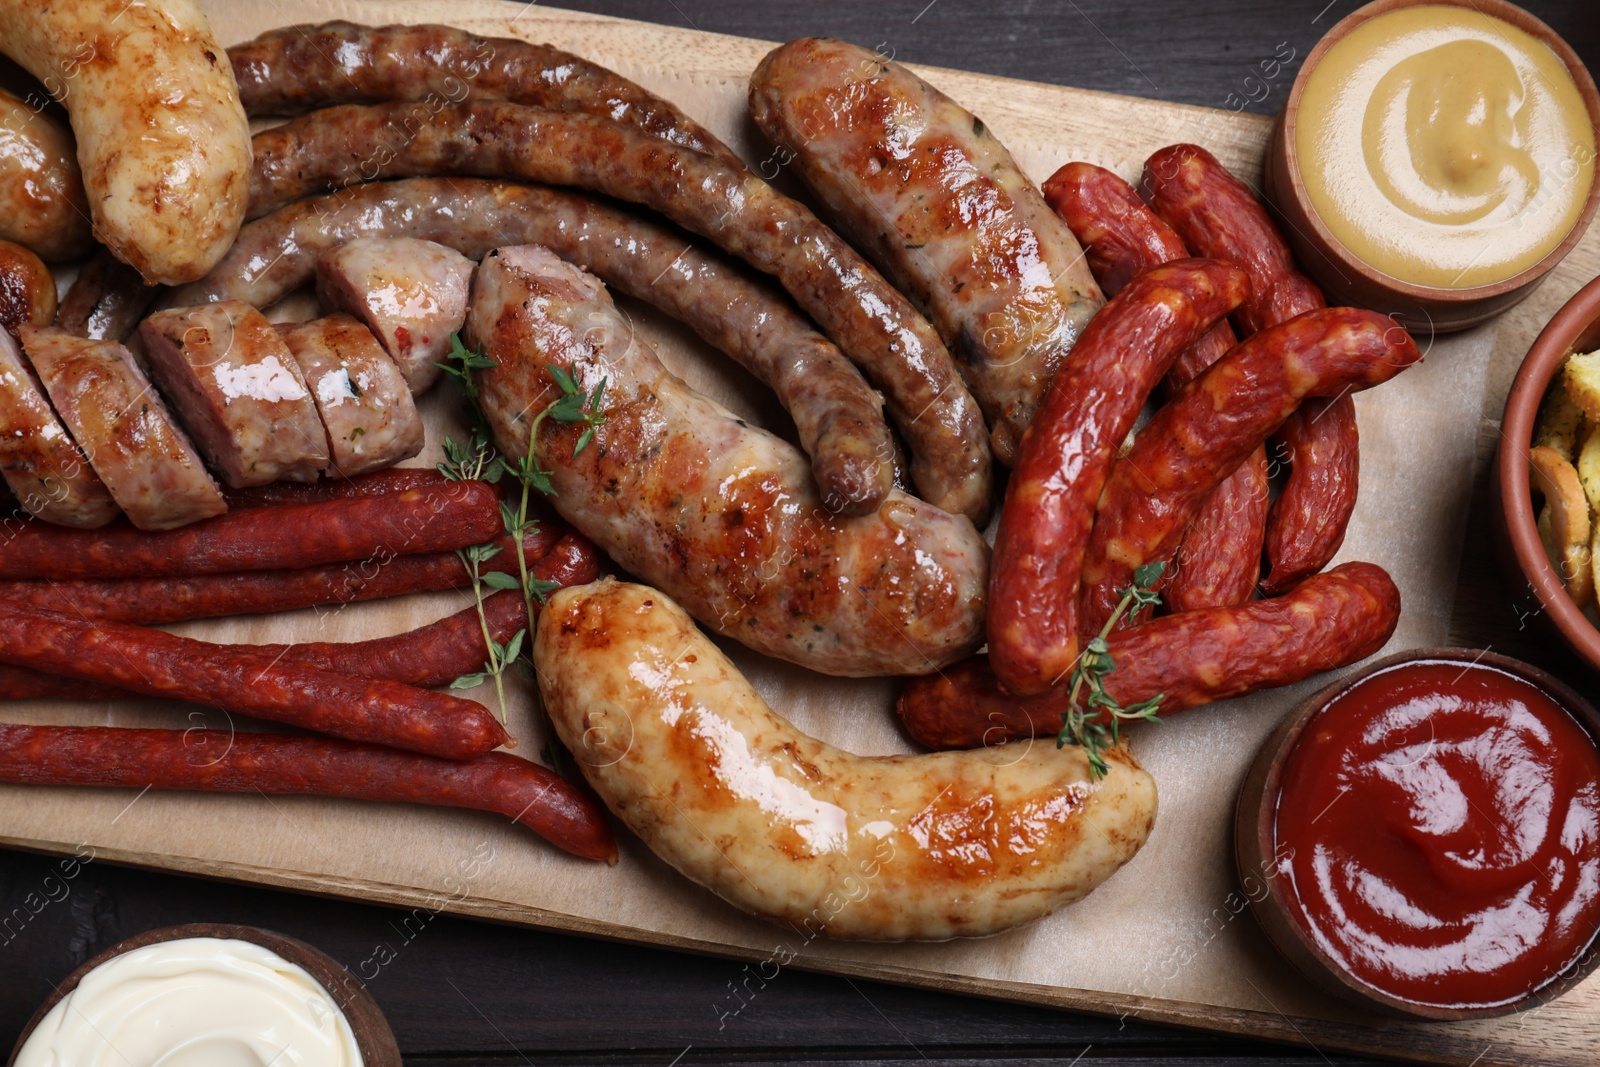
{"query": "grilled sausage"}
(866, 317)
(208, 760)
(418, 520)
(106, 300)
(1213, 424)
(145, 461)
(938, 204)
(42, 205)
(1188, 659)
(27, 288)
(361, 394)
(554, 554)
(1066, 455)
(412, 295)
(721, 514)
(43, 466)
(1217, 215)
(838, 416)
(1219, 561)
(889, 848)
(300, 68)
(168, 199)
(240, 391)
(158, 664)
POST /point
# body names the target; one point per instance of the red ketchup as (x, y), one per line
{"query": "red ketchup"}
(1444, 820)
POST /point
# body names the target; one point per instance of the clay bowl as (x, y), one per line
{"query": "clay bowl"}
(1527, 570)
(1255, 843)
(1348, 280)
(371, 1030)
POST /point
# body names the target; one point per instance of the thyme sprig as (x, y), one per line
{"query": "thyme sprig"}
(1095, 724)
(477, 459)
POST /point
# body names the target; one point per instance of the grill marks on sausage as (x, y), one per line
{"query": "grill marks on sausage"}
(866, 317)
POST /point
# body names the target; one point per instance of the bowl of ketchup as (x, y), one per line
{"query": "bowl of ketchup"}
(1428, 830)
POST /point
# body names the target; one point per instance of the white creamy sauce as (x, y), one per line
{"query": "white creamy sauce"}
(195, 1002)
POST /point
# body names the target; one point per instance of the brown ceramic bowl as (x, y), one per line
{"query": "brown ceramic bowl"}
(1255, 843)
(1534, 581)
(1348, 280)
(371, 1030)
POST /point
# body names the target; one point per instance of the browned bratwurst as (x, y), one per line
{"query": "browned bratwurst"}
(299, 68)
(215, 761)
(837, 415)
(1217, 215)
(870, 321)
(27, 288)
(42, 204)
(1066, 455)
(937, 203)
(1220, 558)
(106, 300)
(1188, 659)
(716, 513)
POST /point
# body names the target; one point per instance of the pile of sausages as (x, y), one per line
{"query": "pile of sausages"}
(969, 328)
(77, 608)
(1192, 490)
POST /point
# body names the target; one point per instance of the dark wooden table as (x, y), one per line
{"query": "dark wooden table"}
(460, 992)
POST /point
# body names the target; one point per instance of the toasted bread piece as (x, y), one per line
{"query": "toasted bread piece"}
(1560, 422)
(1581, 377)
(1563, 523)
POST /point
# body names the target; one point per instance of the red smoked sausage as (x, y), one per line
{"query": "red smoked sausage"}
(158, 664)
(1066, 453)
(448, 516)
(1217, 215)
(1191, 658)
(1213, 424)
(572, 561)
(377, 483)
(1220, 559)
(564, 814)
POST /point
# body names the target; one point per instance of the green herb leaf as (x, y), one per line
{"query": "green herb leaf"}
(470, 681)
(541, 588)
(501, 580)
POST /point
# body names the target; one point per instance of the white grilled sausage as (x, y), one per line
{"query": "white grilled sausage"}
(685, 752)
(162, 138)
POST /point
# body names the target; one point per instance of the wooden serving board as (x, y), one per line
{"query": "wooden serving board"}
(1166, 940)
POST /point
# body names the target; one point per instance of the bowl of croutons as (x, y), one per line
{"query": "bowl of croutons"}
(1548, 471)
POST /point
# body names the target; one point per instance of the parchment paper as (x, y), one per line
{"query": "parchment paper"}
(1164, 938)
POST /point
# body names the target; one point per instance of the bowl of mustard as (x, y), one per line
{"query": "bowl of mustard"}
(1436, 159)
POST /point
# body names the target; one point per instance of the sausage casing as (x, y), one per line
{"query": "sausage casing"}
(719, 513)
(217, 762)
(939, 205)
(1220, 558)
(870, 321)
(888, 848)
(1217, 215)
(42, 205)
(1066, 455)
(158, 664)
(162, 140)
(144, 460)
(1214, 423)
(1192, 658)
(39, 460)
(838, 416)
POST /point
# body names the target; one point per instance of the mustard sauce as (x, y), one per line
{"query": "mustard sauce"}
(1444, 147)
